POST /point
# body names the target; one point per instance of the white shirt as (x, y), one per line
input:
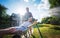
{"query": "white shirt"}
(23, 26)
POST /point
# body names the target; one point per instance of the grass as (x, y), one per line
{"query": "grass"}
(47, 31)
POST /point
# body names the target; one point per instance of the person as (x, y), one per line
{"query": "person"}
(23, 27)
(27, 15)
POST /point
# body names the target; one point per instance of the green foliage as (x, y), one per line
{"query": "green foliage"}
(51, 20)
(54, 3)
(4, 17)
(46, 20)
(2, 10)
(55, 19)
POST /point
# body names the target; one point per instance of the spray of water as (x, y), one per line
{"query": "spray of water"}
(55, 11)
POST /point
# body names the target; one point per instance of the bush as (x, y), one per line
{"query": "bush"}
(55, 27)
(51, 20)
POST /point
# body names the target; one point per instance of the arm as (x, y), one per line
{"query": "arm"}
(35, 22)
(7, 30)
(30, 27)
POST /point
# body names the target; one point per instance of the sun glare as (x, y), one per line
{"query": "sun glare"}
(20, 11)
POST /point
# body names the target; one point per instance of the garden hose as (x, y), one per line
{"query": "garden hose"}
(39, 31)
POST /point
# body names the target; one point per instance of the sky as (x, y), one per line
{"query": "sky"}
(38, 8)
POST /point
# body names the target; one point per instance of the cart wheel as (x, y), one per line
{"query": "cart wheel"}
(16, 36)
(27, 35)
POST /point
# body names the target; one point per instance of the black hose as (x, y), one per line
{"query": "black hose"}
(39, 31)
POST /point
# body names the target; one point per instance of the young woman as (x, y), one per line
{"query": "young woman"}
(23, 27)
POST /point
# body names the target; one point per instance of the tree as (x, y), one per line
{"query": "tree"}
(2, 10)
(15, 20)
(51, 20)
(54, 3)
(46, 20)
(55, 11)
(4, 17)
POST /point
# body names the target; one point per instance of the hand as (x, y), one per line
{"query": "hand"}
(12, 30)
(35, 22)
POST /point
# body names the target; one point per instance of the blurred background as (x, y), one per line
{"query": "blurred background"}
(46, 11)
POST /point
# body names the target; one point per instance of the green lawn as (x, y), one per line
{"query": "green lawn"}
(47, 30)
